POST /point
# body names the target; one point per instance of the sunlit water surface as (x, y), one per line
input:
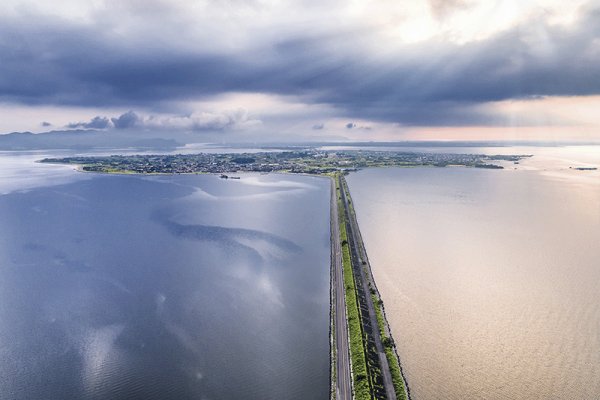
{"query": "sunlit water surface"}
(490, 278)
(175, 287)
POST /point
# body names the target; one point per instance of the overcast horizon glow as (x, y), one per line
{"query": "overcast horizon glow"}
(305, 69)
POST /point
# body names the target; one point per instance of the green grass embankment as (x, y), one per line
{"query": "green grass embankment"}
(357, 350)
(390, 354)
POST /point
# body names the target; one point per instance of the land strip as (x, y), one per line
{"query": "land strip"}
(361, 379)
(375, 366)
(392, 377)
(379, 380)
(341, 374)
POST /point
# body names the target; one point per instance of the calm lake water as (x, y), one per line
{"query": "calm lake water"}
(178, 287)
(490, 278)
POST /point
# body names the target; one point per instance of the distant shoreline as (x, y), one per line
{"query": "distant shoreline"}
(312, 162)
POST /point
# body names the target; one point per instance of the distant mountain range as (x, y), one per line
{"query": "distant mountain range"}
(86, 139)
(82, 139)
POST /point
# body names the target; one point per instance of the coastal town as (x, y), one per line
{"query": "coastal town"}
(306, 162)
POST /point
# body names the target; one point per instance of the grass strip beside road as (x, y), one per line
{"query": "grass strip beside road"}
(396, 373)
(388, 344)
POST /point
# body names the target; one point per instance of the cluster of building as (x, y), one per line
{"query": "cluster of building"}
(307, 162)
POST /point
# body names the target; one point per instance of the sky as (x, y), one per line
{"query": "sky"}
(297, 70)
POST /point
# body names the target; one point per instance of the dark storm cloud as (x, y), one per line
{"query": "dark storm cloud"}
(128, 120)
(46, 124)
(352, 125)
(95, 123)
(57, 62)
(318, 127)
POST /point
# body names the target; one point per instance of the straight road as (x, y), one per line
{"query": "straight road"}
(358, 254)
(343, 384)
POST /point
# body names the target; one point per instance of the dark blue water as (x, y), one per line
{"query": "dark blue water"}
(187, 287)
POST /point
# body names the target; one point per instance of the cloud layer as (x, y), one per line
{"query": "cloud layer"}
(229, 120)
(157, 56)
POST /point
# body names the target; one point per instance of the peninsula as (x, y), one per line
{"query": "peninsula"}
(307, 161)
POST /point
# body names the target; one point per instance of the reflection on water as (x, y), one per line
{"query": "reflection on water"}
(116, 287)
(490, 278)
(19, 171)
